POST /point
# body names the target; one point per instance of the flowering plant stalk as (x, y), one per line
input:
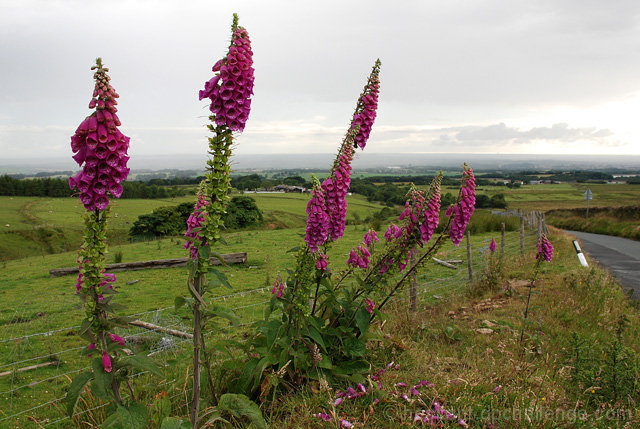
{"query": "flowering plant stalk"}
(324, 315)
(102, 148)
(229, 92)
(545, 252)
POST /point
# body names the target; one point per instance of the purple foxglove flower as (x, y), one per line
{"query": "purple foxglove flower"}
(370, 237)
(493, 246)
(193, 237)
(545, 248)
(462, 211)
(337, 402)
(322, 263)
(232, 86)
(318, 220)
(106, 362)
(96, 139)
(370, 305)
(345, 424)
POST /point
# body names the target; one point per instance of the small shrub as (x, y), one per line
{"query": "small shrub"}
(117, 257)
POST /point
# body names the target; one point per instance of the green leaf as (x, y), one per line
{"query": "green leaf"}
(175, 423)
(77, 385)
(133, 416)
(315, 335)
(220, 311)
(101, 381)
(219, 277)
(179, 302)
(363, 318)
(293, 249)
(220, 258)
(204, 252)
(142, 362)
(241, 406)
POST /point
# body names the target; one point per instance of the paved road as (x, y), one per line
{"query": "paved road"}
(620, 255)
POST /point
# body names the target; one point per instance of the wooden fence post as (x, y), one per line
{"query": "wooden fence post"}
(469, 259)
(521, 235)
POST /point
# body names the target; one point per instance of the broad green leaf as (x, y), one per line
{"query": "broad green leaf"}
(77, 385)
(142, 362)
(219, 278)
(241, 406)
(315, 335)
(102, 380)
(362, 319)
(179, 302)
(220, 258)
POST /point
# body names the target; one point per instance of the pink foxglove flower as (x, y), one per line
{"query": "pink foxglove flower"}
(336, 188)
(101, 147)
(322, 263)
(231, 88)
(370, 305)
(545, 248)
(493, 246)
(431, 214)
(370, 237)
(194, 223)
(106, 362)
(367, 106)
(345, 424)
(463, 210)
(318, 220)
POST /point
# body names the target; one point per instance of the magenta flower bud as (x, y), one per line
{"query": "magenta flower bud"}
(116, 339)
(106, 362)
(493, 246)
(322, 263)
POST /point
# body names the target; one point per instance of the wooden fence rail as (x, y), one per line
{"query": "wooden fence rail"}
(229, 258)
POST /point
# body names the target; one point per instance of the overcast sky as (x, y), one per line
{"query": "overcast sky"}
(457, 76)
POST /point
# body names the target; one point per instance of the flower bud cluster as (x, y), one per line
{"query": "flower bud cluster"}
(194, 225)
(545, 248)
(230, 90)
(463, 210)
(365, 117)
(101, 147)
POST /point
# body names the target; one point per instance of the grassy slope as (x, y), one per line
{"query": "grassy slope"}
(622, 222)
(484, 378)
(40, 226)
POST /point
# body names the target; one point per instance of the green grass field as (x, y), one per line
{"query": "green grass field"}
(565, 195)
(40, 226)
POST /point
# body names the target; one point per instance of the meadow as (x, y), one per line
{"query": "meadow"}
(40, 226)
(39, 314)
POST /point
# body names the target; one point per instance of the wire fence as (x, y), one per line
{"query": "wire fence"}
(43, 358)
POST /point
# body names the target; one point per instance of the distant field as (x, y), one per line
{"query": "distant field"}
(39, 226)
(563, 195)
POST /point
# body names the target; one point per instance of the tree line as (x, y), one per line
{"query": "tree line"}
(58, 187)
